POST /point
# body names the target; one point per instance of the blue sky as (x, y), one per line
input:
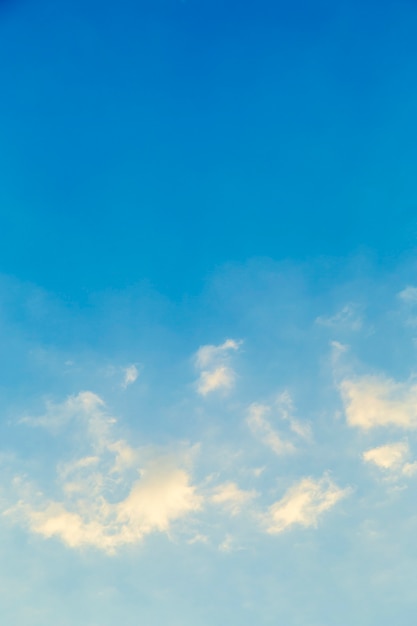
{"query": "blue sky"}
(208, 313)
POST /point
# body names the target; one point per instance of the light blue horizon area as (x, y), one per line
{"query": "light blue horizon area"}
(208, 313)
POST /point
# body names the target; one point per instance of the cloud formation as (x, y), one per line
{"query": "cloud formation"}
(109, 493)
(85, 407)
(216, 372)
(130, 375)
(87, 518)
(388, 457)
(392, 458)
(377, 401)
(303, 504)
(231, 497)
(114, 496)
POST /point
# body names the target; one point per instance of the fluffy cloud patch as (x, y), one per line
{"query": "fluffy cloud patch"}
(303, 504)
(215, 370)
(220, 378)
(392, 458)
(375, 401)
(113, 497)
(159, 497)
(155, 501)
(388, 457)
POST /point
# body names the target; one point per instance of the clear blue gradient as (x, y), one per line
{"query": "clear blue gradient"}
(157, 140)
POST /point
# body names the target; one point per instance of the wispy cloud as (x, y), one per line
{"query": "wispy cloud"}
(130, 375)
(282, 408)
(229, 496)
(303, 504)
(261, 428)
(222, 377)
(216, 372)
(112, 497)
(209, 354)
(347, 318)
(392, 458)
(230, 544)
(86, 408)
(408, 295)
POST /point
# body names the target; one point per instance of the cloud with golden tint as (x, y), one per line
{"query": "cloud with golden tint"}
(114, 496)
(213, 363)
(229, 496)
(377, 401)
(303, 504)
(392, 458)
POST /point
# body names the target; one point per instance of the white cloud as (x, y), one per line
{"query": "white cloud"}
(303, 504)
(388, 457)
(231, 497)
(112, 497)
(208, 355)
(373, 401)
(162, 495)
(215, 370)
(261, 428)
(130, 375)
(220, 378)
(154, 502)
(392, 458)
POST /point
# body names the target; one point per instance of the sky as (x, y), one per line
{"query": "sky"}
(208, 312)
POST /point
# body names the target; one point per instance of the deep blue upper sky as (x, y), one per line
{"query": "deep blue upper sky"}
(159, 139)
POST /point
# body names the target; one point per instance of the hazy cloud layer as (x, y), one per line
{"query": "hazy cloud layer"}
(192, 454)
